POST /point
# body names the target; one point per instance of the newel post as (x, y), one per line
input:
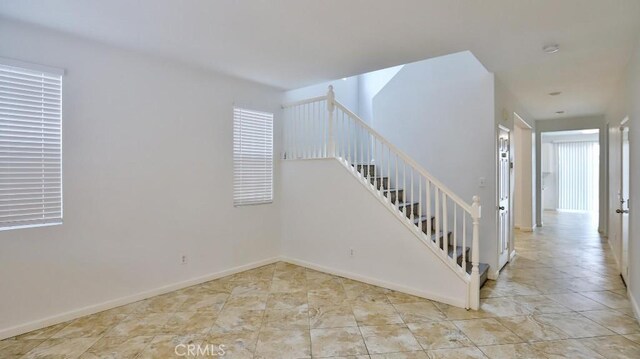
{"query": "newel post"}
(331, 151)
(474, 292)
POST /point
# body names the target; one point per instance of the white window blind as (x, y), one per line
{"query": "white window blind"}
(252, 157)
(578, 172)
(30, 146)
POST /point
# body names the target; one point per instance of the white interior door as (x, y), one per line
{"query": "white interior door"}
(623, 210)
(504, 192)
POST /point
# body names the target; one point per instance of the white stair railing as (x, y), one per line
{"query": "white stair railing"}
(321, 127)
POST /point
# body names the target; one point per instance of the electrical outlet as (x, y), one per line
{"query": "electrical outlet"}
(352, 252)
(183, 259)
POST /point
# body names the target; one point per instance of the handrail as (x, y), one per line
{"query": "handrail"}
(407, 159)
(304, 102)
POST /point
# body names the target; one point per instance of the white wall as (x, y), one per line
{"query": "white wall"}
(441, 113)
(625, 103)
(369, 85)
(522, 196)
(323, 220)
(147, 178)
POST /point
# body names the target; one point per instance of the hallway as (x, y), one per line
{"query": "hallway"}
(563, 294)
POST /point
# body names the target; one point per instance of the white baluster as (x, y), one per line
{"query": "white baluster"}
(436, 191)
(475, 255)
(428, 203)
(330, 107)
(445, 222)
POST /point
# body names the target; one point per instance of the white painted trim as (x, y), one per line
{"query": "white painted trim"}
(113, 303)
(31, 66)
(380, 283)
(512, 255)
(493, 275)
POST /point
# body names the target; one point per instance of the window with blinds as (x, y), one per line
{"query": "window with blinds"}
(30, 145)
(252, 157)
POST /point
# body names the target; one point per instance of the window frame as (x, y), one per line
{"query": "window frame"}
(50, 71)
(237, 183)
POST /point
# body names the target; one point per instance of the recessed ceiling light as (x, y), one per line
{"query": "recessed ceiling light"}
(555, 93)
(344, 79)
(559, 112)
(551, 49)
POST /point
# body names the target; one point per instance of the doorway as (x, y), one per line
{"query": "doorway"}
(570, 167)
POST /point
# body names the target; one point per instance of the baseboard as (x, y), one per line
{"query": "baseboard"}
(95, 308)
(634, 305)
(493, 275)
(527, 229)
(380, 283)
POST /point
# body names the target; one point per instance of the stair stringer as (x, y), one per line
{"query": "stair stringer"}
(328, 210)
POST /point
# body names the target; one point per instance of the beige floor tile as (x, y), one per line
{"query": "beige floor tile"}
(334, 342)
(117, 347)
(286, 319)
(297, 300)
(375, 314)
(325, 298)
(610, 299)
(237, 344)
(169, 346)
(487, 332)
(251, 288)
(238, 320)
(44, 333)
(616, 347)
(165, 303)
(633, 337)
(288, 285)
(456, 313)
(331, 317)
(419, 312)
(576, 301)
(399, 298)
(140, 324)
(249, 302)
(540, 304)
(182, 323)
(504, 307)
(17, 347)
(459, 353)
(205, 302)
(531, 330)
(389, 339)
(511, 351)
(404, 355)
(569, 349)
(614, 320)
(90, 326)
(67, 348)
(283, 344)
(439, 335)
(574, 325)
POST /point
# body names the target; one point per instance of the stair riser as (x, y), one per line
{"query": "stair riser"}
(413, 208)
(384, 182)
(433, 225)
(367, 170)
(395, 196)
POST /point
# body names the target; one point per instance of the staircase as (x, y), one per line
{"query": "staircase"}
(321, 127)
(408, 208)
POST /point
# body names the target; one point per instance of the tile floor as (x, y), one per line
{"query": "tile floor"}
(560, 298)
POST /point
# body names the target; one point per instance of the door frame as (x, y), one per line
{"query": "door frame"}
(620, 210)
(510, 200)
